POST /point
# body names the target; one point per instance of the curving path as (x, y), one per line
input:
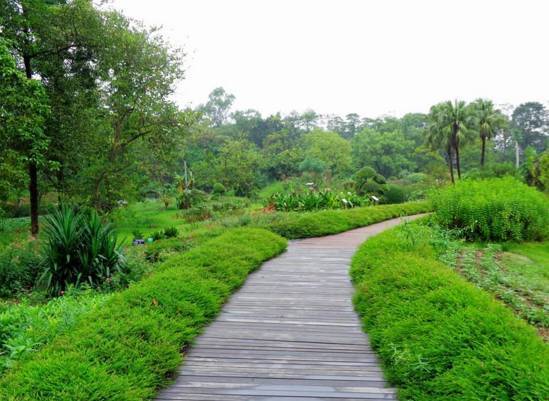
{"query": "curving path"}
(290, 333)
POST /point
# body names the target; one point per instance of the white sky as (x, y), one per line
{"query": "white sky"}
(371, 57)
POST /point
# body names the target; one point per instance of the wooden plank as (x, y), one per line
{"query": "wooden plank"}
(289, 334)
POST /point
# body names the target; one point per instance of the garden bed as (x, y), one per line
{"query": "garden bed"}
(439, 336)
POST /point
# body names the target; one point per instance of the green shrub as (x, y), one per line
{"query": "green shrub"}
(369, 182)
(157, 235)
(130, 346)
(3, 220)
(19, 269)
(170, 232)
(219, 188)
(498, 209)
(79, 249)
(440, 337)
(196, 213)
(230, 204)
(395, 194)
(137, 234)
(315, 224)
(315, 200)
(190, 198)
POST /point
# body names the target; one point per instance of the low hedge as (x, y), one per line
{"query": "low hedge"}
(129, 347)
(315, 224)
(440, 337)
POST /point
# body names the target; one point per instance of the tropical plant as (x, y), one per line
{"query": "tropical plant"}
(447, 128)
(488, 121)
(187, 195)
(79, 249)
(315, 200)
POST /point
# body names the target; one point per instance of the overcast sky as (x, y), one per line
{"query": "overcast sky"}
(371, 57)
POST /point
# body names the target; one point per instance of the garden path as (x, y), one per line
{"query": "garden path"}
(290, 333)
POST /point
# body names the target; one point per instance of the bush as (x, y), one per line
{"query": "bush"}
(190, 198)
(157, 235)
(219, 188)
(79, 249)
(227, 204)
(313, 200)
(131, 346)
(395, 194)
(170, 232)
(498, 209)
(440, 337)
(369, 182)
(19, 269)
(315, 224)
(197, 213)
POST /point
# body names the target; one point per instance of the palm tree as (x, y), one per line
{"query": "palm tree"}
(457, 116)
(439, 134)
(488, 121)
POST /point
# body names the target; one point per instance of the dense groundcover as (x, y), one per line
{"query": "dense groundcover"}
(126, 349)
(440, 337)
(313, 224)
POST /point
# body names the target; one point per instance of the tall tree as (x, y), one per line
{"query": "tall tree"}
(42, 34)
(330, 148)
(23, 109)
(389, 153)
(455, 117)
(439, 135)
(218, 106)
(531, 126)
(488, 121)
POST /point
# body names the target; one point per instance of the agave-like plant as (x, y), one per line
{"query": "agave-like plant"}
(79, 249)
(63, 231)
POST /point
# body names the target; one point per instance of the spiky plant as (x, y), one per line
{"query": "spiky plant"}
(79, 249)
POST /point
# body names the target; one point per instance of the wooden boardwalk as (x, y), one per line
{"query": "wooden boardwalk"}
(290, 333)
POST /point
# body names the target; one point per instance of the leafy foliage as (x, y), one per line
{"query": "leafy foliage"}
(369, 182)
(79, 249)
(498, 209)
(315, 200)
(19, 268)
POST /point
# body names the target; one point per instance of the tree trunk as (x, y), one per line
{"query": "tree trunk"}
(33, 191)
(458, 166)
(33, 170)
(517, 155)
(451, 165)
(482, 151)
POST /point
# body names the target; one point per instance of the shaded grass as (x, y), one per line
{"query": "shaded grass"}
(129, 347)
(439, 336)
